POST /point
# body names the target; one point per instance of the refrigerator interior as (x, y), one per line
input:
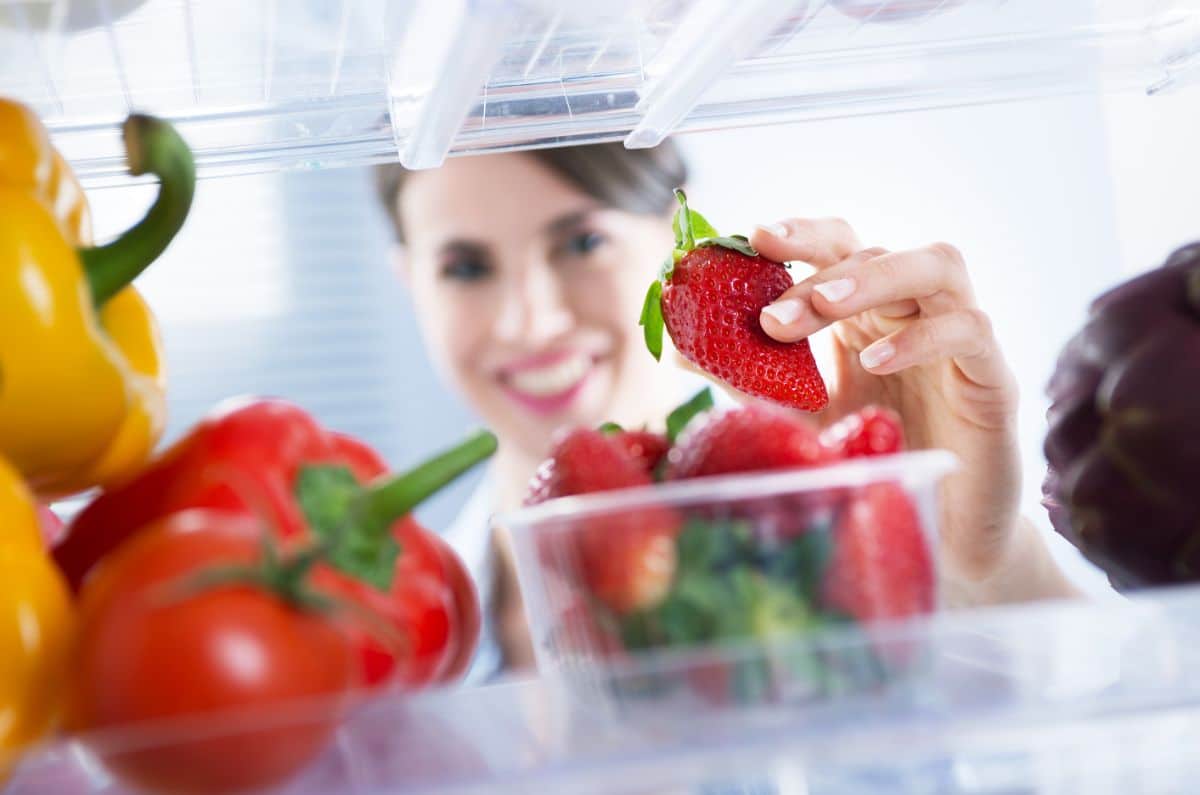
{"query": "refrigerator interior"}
(1052, 142)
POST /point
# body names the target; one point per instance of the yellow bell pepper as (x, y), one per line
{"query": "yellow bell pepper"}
(27, 160)
(36, 624)
(82, 388)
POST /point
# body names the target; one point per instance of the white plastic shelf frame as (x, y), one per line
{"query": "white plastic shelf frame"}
(262, 84)
(1053, 699)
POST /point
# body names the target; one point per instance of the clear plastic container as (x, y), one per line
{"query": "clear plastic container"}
(264, 84)
(740, 565)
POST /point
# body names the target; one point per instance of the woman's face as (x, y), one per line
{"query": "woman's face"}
(528, 293)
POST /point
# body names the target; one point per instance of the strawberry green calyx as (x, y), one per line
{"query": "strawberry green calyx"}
(738, 243)
(689, 227)
(652, 320)
(696, 405)
(692, 231)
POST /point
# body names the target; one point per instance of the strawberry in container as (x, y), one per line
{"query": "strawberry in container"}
(760, 528)
(628, 562)
(852, 550)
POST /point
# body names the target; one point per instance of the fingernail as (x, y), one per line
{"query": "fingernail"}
(836, 290)
(786, 312)
(775, 230)
(877, 353)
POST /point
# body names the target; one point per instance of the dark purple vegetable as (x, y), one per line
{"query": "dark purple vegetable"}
(1124, 437)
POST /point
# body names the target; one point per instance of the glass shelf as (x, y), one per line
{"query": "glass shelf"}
(1055, 699)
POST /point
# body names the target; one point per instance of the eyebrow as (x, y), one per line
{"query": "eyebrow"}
(568, 221)
(563, 223)
(462, 247)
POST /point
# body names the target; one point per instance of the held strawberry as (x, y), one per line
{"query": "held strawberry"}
(709, 297)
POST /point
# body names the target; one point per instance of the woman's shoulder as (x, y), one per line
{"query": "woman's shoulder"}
(475, 515)
(470, 535)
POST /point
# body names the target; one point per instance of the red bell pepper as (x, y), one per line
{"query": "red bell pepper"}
(271, 459)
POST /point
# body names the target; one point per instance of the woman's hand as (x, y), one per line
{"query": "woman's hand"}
(909, 334)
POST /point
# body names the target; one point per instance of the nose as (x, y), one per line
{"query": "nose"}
(534, 308)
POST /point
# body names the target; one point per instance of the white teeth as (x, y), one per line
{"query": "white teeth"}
(553, 379)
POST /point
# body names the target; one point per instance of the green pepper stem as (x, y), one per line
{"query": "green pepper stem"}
(152, 146)
(382, 503)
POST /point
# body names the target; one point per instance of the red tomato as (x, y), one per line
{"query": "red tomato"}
(243, 688)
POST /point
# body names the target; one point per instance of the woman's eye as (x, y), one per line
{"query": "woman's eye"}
(466, 270)
(583, 243)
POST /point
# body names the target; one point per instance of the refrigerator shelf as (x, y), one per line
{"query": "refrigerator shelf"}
(1048, 699)
(266, 84)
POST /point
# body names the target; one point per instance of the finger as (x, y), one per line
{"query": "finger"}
(898, 310)
(821, 242)
(791, 317)
(965, 336)
(935, 277)
(931, 272)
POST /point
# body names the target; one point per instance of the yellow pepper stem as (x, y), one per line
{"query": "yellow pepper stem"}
(152, 146)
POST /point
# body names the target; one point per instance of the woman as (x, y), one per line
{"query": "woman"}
(527, 271)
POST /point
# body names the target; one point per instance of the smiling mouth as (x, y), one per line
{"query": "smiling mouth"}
(552, 386)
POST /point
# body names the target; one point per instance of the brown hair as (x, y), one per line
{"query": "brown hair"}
(633, 180)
